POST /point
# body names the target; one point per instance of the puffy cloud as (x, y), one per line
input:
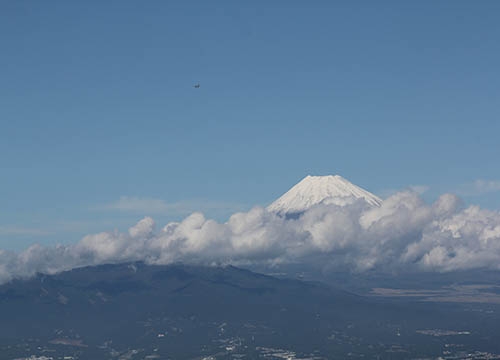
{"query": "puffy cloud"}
(404, 233)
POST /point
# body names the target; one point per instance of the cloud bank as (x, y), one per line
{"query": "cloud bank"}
(403, 234)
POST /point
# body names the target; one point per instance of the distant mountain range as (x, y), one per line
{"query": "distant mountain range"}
(138, 311)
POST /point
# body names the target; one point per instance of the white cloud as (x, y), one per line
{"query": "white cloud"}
(17, 230)
(403, 233)
(157, 206)
(137, 204)
(419, 189)
(479, 187)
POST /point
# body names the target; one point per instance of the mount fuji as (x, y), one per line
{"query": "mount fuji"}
(314, 190)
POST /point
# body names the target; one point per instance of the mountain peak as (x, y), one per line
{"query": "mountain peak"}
(314, 190)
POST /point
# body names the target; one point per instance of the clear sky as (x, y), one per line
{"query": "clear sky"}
(101, 124)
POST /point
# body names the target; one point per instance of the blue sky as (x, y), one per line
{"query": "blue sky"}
(100, 124)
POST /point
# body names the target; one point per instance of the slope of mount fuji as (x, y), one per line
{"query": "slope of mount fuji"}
(314, 190)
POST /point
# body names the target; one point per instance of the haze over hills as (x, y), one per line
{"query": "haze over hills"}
(326, 190)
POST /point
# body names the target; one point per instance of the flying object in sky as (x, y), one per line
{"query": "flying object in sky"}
(196, 86)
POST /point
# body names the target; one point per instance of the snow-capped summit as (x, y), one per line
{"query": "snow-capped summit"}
(313, 190)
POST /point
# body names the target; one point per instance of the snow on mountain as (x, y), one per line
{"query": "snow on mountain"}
(313, 190)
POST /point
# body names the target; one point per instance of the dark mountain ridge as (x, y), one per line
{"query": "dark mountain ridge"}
(183, 311)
